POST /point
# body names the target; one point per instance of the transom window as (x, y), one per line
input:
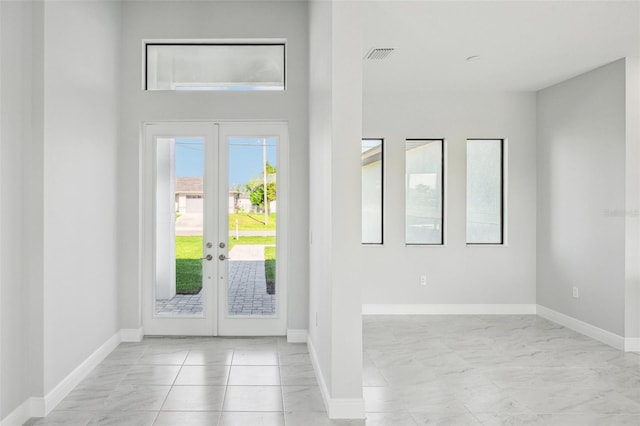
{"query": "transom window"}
(214, 66)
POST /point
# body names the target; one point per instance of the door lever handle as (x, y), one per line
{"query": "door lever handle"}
(207, 257)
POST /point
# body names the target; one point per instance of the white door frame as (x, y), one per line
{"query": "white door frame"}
(251, 325)
(215, 320)
(205, 325)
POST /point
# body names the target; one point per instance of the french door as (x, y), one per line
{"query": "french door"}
(214, 234)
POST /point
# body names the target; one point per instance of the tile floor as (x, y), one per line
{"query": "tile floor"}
(494, 370)
(428, 370)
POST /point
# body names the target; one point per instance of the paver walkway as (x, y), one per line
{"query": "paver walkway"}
(247, 287)
(180, 304)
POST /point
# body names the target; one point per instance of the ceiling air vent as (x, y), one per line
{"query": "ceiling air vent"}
(379, 53)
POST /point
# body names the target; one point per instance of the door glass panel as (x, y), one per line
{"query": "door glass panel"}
(252, 212)
(179, 226)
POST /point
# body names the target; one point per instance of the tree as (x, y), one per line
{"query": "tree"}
(256, 188)
(257, 194)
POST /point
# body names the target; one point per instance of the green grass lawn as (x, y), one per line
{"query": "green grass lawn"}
(189, 265)
(251, 222)
(270, 268)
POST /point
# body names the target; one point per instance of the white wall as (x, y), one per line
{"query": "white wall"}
(212, 20)
(15, 49)
(81, 102)
(335, 134)
(320, 128)
(632, 221)
(456, 273)
(581, 197)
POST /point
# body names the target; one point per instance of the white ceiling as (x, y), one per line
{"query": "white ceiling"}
(522, 45)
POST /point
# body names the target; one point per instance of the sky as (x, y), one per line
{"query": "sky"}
(245, 158)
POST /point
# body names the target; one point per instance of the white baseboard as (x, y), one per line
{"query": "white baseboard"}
(18, 416)
(57, 394)
(38, 407)
(582, 327)
(442, 309)
(296, 336)
(337, 408)
(346, 408)
(319, 376)
(632, 344)
(131, 335)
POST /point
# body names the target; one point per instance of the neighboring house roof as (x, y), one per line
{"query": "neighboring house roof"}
(189, 185)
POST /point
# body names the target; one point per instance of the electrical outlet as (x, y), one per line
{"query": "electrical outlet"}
(423, 280)
(576, 293)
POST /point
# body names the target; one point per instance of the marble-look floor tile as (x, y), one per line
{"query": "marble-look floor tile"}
(137, 398)
(125, 354)
(452, 370)
(164, 356)
(105, 375)
(253, 398)
(432, 398)
(254, 375)
(194, 398)
(523, 419)
(400, 418)
(372, 376)
(188, 418)
(317, 418)
(86, 400)
(298, 375)
(255, 357)
(63, 418)
(203, 375)
(252, 419)
(200, 356)
(632, 393)
(593, 420)
(490, 398)
(302, 398)
(575, 400)
(123, 419)
(151, 375)
(294, 358)
(446, 419)
(255, 343)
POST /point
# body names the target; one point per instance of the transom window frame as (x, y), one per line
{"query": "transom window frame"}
(213, 42)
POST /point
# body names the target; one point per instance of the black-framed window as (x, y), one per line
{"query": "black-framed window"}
(424, 191)
(372, 164)
(485, 191)
(214, 66)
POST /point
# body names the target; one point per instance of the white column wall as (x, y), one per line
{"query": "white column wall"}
(335, 134)
(581, 198)
(15, 105)
(81, 132)
(632, 218)
(320, 178)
